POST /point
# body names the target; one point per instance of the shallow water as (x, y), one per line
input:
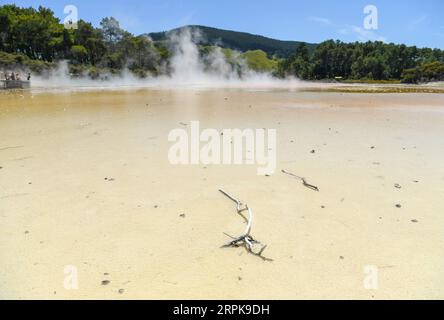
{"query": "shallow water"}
(85, 181)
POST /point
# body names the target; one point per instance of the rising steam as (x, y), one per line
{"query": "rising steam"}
(187, 69)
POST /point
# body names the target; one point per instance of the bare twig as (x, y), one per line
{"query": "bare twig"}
(304, 182)
(245, 239)
(240, 206)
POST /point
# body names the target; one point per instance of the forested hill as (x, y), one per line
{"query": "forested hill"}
(240, 41)
(36, 40)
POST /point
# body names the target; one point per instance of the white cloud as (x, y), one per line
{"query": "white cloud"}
(358, 33)
(321, 20)
(361, 34)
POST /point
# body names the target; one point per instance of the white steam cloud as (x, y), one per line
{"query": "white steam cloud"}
(187, 70)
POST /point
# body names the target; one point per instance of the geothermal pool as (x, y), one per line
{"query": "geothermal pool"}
(91, 207)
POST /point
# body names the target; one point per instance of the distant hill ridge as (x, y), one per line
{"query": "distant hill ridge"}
(241, 41)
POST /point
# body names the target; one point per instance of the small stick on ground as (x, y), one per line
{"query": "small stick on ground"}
(304, 182)
(245, 239)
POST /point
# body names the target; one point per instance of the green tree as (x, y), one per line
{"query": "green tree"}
(92, 39)
(79, 53)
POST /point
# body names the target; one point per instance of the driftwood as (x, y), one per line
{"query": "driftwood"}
(245, 239)
(304, 182)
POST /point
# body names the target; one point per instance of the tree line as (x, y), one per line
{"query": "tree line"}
(37, 35)
(367, 61)
(37, 39)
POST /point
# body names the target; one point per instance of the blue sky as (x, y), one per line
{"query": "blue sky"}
(413, 22)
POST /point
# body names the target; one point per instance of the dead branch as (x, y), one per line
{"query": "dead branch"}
(245, 239)
(304, 182)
